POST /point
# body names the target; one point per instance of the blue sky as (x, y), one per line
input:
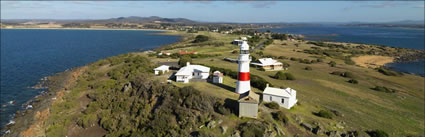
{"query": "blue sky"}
(231, 11)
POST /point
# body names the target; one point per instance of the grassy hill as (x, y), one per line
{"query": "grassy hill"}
(120, 96)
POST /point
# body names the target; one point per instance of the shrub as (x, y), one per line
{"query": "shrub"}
(252, 129)
(282, 57)
(289, 76)
(280, 116)
(234, 52)
(348, 61)
(308, 68)
(337, 73)
(319, 60)
(384, 89)
(324, 114)
(272, 105)
(388, 72)
(353, 81)
(332, 64)
(200, 38)
(377, 133)
(184, 59)
(280, 75)
(348, 75)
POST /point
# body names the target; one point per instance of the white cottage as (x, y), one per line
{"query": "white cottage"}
(217, 77)
(284, 97)
(162, 69)
(268, 64)
(192, 72)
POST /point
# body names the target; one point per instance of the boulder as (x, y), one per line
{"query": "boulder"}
(236, 134)
(211, 124)
(278, 130)
(334, 134)
(127, 87)
(307, 126)
(223, 129)
(318, 130)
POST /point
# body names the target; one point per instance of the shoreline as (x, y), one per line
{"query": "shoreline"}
(162, 30)
(43, 101)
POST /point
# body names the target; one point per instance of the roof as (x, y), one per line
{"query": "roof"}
(278, 91)
(267, 62)
(162, 67)
(189, 69)
(249, 97)
(218, 73)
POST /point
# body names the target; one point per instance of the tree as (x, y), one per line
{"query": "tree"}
(280, 75)
(332, 63)
(184, 59)
(200, 38)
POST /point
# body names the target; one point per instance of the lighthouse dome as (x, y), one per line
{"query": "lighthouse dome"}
(244, 45)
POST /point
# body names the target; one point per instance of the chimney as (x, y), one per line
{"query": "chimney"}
(187, 63)
(267, 85)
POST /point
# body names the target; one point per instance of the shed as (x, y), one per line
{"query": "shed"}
(217, 77)
(284, 97)
(162, 69)
(248, 104)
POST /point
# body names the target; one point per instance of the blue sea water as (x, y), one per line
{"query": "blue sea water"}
(29, 55)
(394, 37)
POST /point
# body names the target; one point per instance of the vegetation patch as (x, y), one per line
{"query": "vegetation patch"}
(280, 116)
(324, 113)
(377, 133)
(272, 105)
(284, 76)
(388, 72)
(384, 89)
(200, 38)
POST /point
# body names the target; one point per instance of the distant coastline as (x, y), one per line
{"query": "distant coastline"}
(91, 29)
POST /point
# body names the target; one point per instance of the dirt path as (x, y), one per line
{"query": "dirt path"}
(370, 61)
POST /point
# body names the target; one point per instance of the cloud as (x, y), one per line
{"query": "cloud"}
(256, 4)
(378, 5)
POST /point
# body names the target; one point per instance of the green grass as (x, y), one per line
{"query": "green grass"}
(399, 113)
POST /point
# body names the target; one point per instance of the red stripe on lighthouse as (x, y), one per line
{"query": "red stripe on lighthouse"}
(243, 76)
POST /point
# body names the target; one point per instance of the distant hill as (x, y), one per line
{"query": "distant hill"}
(130, 19)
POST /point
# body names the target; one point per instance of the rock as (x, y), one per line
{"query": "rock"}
(269, 134)
(334, 134)
(211, 124)
(339, 125)
(307, 126)
(298, 119)
(318, 130)
(223, 129)
(201, 126)
(235, 134)
(127, 87)
(278, 130)
(220, 121)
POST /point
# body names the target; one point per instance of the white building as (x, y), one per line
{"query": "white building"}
(284, 97)
(192, 72)
(162, 69)
(217, 77)
(268, 64)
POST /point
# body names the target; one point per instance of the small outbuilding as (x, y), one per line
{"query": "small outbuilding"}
(248, 104)
(217, 77)
(161, 69)
(269, 64)
(284, 97)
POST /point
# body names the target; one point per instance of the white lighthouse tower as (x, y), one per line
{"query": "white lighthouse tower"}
(243, 84)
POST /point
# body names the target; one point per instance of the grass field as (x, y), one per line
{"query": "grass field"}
(399, 114)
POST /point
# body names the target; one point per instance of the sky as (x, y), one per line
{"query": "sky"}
(220, 11)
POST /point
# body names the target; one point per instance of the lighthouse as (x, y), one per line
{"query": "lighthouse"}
(243, 84)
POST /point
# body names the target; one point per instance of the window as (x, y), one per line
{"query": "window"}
(283, 101)
(244, 51)
(270, 98)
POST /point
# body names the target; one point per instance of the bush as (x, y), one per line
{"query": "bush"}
(280, 75)
(348, 75)
(353, 81)
(280, 116)
(324, 114)
(200, 38)
(308, 68)
(252, 129)
(282, 57)
(184, 59)
(319, 60)
(332, 64)
(384, 89)
(377, 133)
(337, 73)
(388, 72)
(289, 76)
(272, 105)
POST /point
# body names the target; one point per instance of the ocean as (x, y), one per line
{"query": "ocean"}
(27, 55)
(393, 37)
